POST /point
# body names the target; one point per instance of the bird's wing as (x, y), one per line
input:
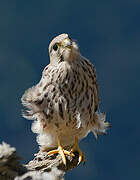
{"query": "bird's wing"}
(92, 75)
(33, 97)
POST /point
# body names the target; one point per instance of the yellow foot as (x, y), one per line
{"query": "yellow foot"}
(61, 151)
(77, 149)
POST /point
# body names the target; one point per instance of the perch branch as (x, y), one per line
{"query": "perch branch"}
(42, 166)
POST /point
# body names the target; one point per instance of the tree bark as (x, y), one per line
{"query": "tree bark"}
(42, 167)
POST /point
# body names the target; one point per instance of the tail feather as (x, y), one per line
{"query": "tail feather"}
(100, 126)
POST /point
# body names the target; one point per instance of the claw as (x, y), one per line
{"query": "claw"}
(62, 152)
(77, 149)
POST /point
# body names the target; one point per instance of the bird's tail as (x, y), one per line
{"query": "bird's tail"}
(100, 126)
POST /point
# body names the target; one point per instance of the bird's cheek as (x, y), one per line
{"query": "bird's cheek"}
(66, 54)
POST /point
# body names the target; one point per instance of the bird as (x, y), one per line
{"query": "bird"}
(65, 103)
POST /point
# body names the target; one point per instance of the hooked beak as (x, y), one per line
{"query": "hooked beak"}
(66, 43)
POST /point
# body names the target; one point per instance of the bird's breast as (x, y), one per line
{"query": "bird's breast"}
(67, 99)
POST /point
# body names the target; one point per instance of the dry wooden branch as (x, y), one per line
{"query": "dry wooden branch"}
(10, 166)
(42, 167)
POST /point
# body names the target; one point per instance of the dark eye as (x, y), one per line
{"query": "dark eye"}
(55, 47)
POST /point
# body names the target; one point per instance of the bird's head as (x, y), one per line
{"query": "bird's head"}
(63, 48)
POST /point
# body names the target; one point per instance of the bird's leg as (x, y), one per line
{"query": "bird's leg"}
(77, 149)
(61, 151)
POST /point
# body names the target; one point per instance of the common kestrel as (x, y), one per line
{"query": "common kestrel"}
(64, 104)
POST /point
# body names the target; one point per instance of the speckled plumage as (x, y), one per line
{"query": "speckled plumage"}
(65, 101)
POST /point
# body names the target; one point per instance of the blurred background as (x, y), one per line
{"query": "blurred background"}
(108, 33)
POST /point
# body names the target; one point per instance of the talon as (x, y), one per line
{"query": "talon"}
(77, 149)
(81, 158)
(61, 151)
